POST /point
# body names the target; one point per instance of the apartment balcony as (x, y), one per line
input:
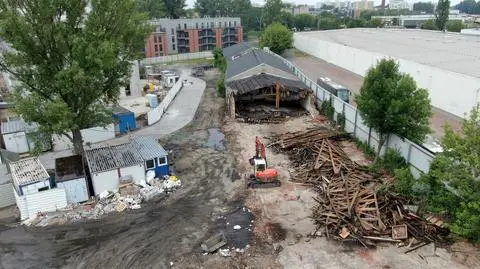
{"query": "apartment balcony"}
(229, 32)
(230, 39)
(207, 47)
(207, 41)
(183, 44)
(206, 33)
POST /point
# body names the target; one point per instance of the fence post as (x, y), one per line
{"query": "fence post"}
(343, 108)
(369, 135)
(355, 124)
(409, 153)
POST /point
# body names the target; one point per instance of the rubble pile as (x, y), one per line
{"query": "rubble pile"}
(352, 202)
(129, 197)
(268, 114)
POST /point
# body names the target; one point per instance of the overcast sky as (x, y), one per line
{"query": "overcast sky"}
(313, 2)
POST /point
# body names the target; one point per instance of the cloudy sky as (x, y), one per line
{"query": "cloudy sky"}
(312, 2)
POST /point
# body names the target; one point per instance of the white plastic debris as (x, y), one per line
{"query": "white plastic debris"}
(224, 252)
(171, 263)
(104, 194)
(150, 176)
(237, 227)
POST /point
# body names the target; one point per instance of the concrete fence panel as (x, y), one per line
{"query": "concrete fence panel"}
(156, 114)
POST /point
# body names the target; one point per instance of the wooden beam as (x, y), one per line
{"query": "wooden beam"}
(277, 100)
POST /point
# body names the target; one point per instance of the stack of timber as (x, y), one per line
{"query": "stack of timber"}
(268, 114)
(352, 201)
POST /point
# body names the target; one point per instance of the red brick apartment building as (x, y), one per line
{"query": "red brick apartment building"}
(173, 36)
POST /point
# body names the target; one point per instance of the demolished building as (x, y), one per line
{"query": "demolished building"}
(259, 85)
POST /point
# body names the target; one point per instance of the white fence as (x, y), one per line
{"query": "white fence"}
(453, 92)
(418, 158)
(156, 114)
(176, 58)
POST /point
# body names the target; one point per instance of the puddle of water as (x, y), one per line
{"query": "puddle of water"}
(215, 139)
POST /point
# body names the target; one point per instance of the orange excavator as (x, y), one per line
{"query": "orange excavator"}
(262, 177)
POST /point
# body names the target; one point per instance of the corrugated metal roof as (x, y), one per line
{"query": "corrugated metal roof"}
(17, 126)
(27, 171)
(108, 158)
(264, 80)
(251, 59)
(148, 147)
(126, 155)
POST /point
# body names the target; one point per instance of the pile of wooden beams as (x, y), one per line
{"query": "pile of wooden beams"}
(352, 201)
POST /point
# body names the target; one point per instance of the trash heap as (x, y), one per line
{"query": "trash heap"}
(352, 202)
(129, 197)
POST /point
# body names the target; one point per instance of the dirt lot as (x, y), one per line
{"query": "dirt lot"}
(168, 232)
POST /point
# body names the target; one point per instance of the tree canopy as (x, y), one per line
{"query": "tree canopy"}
(70, 62)
(469, 7)
(429, 25)
(453, 179)
(391, 102)
(426, 7)
(273, 11)
(441, 14)
(174, 8)
(155, 9)
(277, 37)
(455, 26)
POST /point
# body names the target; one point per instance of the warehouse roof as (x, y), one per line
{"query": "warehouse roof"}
(264, 80)
(236, 49)
(112, 157)
(251, 59)
(27, 171)
(15, 126)
(449, 51)
(148, 147)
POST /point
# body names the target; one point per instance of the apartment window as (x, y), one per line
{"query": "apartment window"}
(156, 47)
(155, 39)
(202, 25)
(229, 24)
(184, 26)
(235, 23)
(160, 47)
(173, 46)
(225, 24)
(179, 26)
(173, 31)
(212, 24)
(196, 25)
(173, 39)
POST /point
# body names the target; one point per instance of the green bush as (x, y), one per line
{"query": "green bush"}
(365, 148)
(392, 159)
(404, 182)
(327, 109)
(341, 120)
(221, 86)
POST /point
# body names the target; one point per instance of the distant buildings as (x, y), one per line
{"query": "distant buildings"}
(173, 36)
(400, 4)
(360, 6)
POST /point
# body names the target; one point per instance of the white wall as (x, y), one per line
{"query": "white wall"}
(16, 142)
(107, 180)
(6, 195)
(176, 57)
(75, 189)
(137, 172)
(45, 201)
(33, 188)
(156, 114)
(453, 92)
(90, 135)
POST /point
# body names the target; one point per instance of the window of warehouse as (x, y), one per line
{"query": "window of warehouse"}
(151, 164)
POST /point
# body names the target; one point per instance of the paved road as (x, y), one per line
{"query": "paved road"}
(180, 112)
(315, 67)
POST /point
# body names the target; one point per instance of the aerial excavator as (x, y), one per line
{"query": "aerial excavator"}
(262, 177)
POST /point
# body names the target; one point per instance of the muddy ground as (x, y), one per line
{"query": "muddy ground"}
(168, 232)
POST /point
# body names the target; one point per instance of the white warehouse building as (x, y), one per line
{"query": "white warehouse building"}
(447, 64)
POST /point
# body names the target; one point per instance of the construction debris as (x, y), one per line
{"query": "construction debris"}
(352, 201)
(268, 114)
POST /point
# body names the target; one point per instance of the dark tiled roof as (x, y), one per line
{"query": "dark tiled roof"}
(228, 52)
(251, 59)
(263, 80)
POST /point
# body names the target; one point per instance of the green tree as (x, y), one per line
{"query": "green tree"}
(469, 7)
(154, 8)
(455, 26)
(70, 63)
(219, 60)
(174, 8)
(303, 21)
(273, 11)
(426, 7)
(375, 23)
(429, 25)
(441, 14)
(458, 167)
(277, 37)
(390, 102)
